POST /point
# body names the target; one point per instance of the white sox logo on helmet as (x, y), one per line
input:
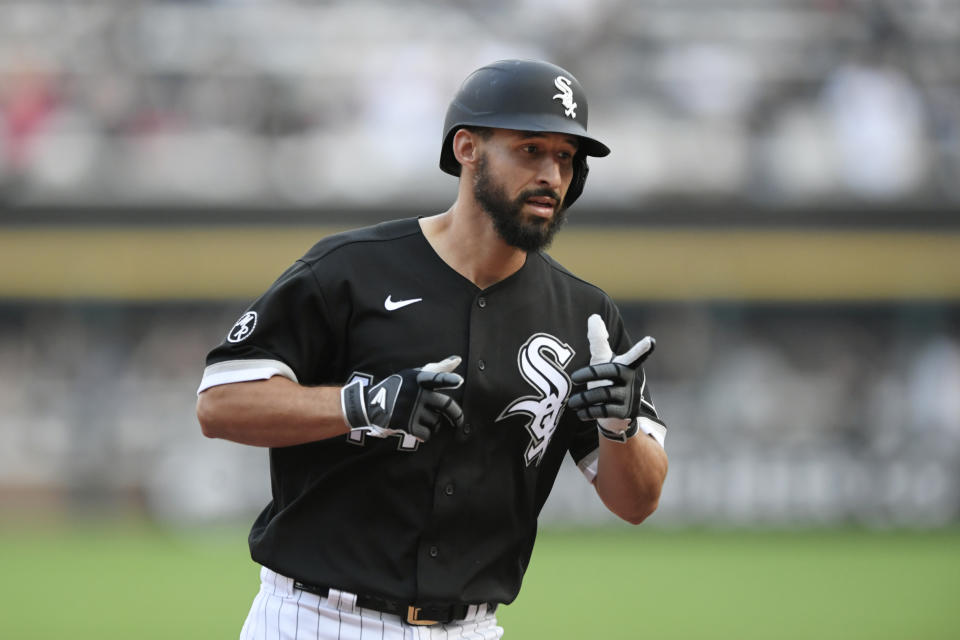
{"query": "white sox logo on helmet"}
(565, 96)
(541, 361)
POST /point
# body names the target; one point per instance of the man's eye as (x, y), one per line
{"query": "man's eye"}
(530, 148)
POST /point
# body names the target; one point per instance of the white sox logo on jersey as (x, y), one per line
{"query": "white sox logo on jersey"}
(565, 96)
(541, 361)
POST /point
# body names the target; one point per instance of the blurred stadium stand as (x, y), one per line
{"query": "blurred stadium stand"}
(785, 176)
(772, 101)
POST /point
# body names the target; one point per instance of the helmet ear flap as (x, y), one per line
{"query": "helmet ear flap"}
(448, 161)
(580, 171)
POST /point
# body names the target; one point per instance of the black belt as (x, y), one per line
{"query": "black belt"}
(422, 615)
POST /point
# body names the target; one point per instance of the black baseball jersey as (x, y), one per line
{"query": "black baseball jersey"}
(453, 519)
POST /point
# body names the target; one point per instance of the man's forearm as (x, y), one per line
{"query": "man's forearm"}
(271, 413)
(630, 476)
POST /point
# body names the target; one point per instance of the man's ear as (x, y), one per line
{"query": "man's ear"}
(466, 147)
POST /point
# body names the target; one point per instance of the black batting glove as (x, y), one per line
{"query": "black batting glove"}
(620, 397)
(406, 402)
(614, 396)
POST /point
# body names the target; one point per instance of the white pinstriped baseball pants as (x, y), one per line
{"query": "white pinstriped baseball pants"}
(282, 612)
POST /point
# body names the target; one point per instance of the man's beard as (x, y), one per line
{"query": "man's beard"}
(532, 234)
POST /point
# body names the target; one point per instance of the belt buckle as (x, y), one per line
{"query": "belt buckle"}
(413, 616)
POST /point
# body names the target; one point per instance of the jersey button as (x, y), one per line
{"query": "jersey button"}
(449, 489)
(467, 428)
(434, 552)
(482, 302)
(481, 364)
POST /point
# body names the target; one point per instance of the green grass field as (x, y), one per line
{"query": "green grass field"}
(134, 581)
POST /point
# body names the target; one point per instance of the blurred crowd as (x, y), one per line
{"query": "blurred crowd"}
(342, 102)
(782, 415)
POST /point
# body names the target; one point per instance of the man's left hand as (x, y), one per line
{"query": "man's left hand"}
(615, 388)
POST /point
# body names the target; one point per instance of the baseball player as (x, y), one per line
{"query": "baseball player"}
(419, 382)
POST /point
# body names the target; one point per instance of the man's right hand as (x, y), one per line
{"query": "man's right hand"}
(406, 402)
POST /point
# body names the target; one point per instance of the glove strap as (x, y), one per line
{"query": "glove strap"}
(620, 436)
(353, 405)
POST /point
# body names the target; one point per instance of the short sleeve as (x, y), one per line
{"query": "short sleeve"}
(286, 331)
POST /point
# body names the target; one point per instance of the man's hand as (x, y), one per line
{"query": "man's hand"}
(406, 402)
(615, 385)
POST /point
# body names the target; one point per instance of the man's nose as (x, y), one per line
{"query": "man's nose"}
(550, 173)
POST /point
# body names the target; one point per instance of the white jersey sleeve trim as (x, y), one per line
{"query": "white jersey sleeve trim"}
(653, 429)
(588, 465)
(243, 371)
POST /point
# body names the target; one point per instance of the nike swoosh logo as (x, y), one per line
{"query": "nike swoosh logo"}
(392, 305)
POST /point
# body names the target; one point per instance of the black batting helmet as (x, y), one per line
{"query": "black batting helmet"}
(526, 95)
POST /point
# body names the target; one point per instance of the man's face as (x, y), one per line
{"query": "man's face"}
(519, 181)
